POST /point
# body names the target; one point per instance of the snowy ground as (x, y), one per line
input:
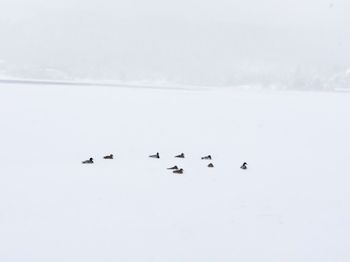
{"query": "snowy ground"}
(292, 204)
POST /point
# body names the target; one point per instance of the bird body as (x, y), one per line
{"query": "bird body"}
(244, 166)
(90, 161)
(178, 171)
(208, 157)
(173, 168)
(155, 156)
(108, 157)
(182, 155)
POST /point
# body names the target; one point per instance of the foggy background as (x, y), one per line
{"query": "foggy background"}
(272, 43)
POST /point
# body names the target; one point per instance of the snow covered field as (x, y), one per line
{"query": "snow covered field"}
(292, 204)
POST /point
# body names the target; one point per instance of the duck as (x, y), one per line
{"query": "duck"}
(155, 156)
(211, 165)
(108, 157)
(208, 157)
(90, 161)
(182, 155)
(244, 166)
(178, 171)
(173, 168)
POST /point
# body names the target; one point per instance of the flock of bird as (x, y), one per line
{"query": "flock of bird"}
(175, 169)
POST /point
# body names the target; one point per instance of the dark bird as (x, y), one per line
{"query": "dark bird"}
(178, 171)
(182, 155)
(208, 157)
(211, 165)
(173, 168)
(155, 156)
(108, 157)
(244, 166)
(90, 161)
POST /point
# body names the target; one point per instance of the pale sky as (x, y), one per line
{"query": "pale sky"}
(278, 12)
(179, 39)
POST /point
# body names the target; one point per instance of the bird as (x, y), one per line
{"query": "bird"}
(90, 161)
(178, 171)
(108, 157)
(173, 168)
(244, 166)
(211, 165)
(182, 155)
(208, 157)
(155, 156)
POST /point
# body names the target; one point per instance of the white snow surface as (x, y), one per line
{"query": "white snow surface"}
(291, 204)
